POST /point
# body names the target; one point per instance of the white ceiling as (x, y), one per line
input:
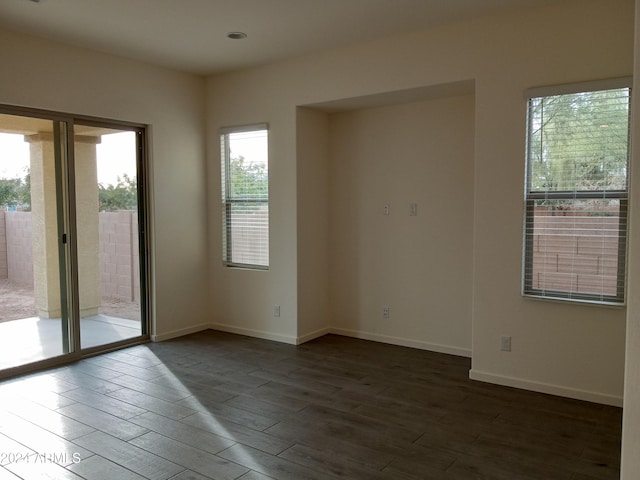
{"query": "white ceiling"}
(190, 35)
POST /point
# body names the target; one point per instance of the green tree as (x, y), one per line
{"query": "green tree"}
(248, 180)
(121, 196)
(9, 191)
(24, 192)
(16, 192)
(579, 141)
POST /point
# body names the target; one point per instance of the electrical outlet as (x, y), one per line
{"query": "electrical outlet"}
(387, 207)
(385, 312)
(413, 209)
(276, 310)
(505, 344)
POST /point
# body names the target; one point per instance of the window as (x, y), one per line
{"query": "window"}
(245, 196)
(576, 194)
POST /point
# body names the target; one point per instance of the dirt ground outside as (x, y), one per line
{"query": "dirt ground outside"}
(17, 302)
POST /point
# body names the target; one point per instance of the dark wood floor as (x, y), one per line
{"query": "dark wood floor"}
(221, 406)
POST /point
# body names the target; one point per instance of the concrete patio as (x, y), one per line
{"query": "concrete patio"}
(31, 339)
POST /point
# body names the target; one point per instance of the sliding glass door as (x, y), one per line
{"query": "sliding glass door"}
(107, 215)
(34, 307)
(72, 237)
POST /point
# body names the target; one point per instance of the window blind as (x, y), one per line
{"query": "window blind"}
(245, 196)
(576, 196)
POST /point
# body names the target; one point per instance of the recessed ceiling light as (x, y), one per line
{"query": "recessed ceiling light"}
(236, 35)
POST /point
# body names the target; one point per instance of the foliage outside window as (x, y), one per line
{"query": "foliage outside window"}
(15, 193)
(121, 196)
(576, 196)
(245, 196)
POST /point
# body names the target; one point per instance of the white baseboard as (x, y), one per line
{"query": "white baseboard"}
(551, 389)
(254, 333)
(312, 335)
(404, 342)
(179, 333)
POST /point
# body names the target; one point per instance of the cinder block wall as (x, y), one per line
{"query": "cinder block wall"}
(119, 256)
(19, 250)
(119, 264)
(4, 268)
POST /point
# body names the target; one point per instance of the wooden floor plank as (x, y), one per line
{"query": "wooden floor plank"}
(180, 432)
(105, 422)
(206, 404)
(7, 475)
(152, 403)
(272, 465)
(48, 419)
(236, 432)
(105, 403)
(199, 461)
(336, 445)
(337, 465)
(43, 471)
(39, 440)
(81, 379)
(218, 405)
(99, 468)
(130, 456)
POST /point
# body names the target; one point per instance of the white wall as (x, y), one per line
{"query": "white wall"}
(630, 468)
(47, 75)
(312, 130)
(565, 349)
(420, 267)
(559, 348)
(243, 300)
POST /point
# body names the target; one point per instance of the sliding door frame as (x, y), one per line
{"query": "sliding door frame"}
(66, 206)
(142, 186)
